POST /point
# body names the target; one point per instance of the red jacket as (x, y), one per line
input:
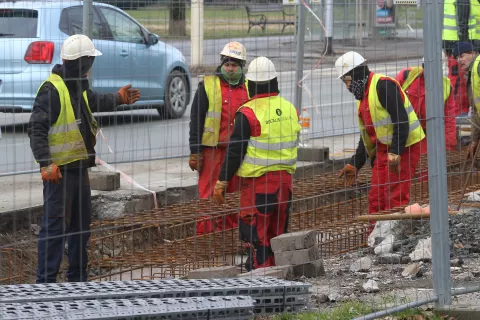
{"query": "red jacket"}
(416, 95)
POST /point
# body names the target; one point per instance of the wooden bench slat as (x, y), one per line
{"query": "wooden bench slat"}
(257, 11)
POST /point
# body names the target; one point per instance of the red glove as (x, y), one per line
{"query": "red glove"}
(127, 95)
(51, 173)
(219, 192)
(350, 173)
(196, 162)
(394, 162)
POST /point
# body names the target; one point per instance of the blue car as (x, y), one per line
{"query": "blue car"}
(31, 36)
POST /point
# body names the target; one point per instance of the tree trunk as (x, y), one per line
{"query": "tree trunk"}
(177, 24)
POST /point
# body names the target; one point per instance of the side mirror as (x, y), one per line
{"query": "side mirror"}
(152, 39)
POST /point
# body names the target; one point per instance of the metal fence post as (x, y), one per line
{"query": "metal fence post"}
(437, 174)
(299, 57)
(87, 26)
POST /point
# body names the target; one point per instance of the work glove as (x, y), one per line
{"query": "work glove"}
(394, 162)
(350, 173)
(51, 173)
(471, 149)
(196, 162)
(219, 192)
(127, 95)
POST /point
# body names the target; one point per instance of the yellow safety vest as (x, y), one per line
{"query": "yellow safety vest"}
(382, 122)
(475, 83)
(475, 12)
(276, 147)
(415, 72)
(64, 138)
(211, 129)
(450, 26)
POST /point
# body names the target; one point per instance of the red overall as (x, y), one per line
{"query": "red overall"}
(265, 204)
(459, 85)
(388, 189)
(416, 94)
(232, 99)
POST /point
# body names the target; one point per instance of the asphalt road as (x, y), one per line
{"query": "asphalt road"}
(142, 134)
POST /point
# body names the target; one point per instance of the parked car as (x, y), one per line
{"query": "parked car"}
(31, 36)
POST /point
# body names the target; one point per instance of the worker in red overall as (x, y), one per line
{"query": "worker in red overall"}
(412, 81)
(390, 134)
(263, 151)
(214, 106)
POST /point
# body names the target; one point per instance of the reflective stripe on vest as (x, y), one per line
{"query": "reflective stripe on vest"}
(211, 129)
(415, 72)
(276, 147)
(475, 12)
(382, 122)
(450, 26)
(475, 83)
(64, 138)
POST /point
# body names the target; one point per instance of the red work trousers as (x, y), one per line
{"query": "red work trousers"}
(212, 163)
(265, 204)
(388, 189)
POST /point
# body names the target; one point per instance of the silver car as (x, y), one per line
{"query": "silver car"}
(31, 36)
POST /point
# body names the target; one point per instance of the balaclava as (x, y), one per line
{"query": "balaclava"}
(359, 80)
(76, 69)
(232, 78)
(255, 88)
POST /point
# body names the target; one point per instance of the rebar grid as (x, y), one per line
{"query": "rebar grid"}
(12, 265)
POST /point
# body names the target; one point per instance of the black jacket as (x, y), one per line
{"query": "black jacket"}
(46, 110)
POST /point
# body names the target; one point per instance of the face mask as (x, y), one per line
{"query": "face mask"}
(232, 77)
(78, 68)
(357, 87)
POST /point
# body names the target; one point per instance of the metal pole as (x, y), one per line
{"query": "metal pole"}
(329, 27)
(437, 173)
(196, 33)
(87, 26)
(299, 57)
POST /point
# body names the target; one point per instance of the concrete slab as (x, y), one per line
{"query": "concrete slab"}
(294, 241)
(296, 257)
(310, 270)
(315, 154)
(104, 181)
(213, 272)
(282, 272)
(460, 312)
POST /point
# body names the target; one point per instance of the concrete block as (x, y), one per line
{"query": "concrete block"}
(105, 181)
(282, 272)
(460, 312)
(313, 154)
(310, 270)
(296, 257)
(213, 272)
(294, 241)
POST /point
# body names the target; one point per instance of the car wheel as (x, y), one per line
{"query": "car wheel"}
(176, 96)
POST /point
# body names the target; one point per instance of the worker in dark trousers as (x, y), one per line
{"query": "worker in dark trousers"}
(62, 133)
(263, 152)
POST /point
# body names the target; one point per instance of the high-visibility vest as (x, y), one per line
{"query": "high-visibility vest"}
(276, 147)
(450, 25)
(211, 129)
(382, 122)
(475, 12)
(475, 83)
(65, 140)
(415, 72)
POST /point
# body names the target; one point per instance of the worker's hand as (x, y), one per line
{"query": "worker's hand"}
(471, 149)
(394, 162)
(127, 95)
(350, 173)
(196, 162)
(219, 192)
(51, 173)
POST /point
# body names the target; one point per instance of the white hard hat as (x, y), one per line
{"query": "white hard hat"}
(78, 46)
(347, 62)
(234, 50)
(261, 69)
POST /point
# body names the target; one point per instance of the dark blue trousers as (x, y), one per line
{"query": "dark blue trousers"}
(67, 212)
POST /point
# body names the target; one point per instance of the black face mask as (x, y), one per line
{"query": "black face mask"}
(77, 69)
(359, 80)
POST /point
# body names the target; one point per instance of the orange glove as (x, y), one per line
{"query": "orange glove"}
(350, 173)
(127, 95)
(394, 162)
(51, 173)
(219, 192)
(196, 162)
(471, 149)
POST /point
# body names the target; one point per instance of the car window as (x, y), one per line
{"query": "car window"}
(18, 23)
(122, 27)
(71, 22)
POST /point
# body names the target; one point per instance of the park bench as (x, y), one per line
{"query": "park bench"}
(256, 16)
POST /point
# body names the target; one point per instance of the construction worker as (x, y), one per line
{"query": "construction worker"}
(62, 134)
(412, 81)
(469, 62)
(459, 24)
(211, 123)
(390, 133)
(263, 151)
